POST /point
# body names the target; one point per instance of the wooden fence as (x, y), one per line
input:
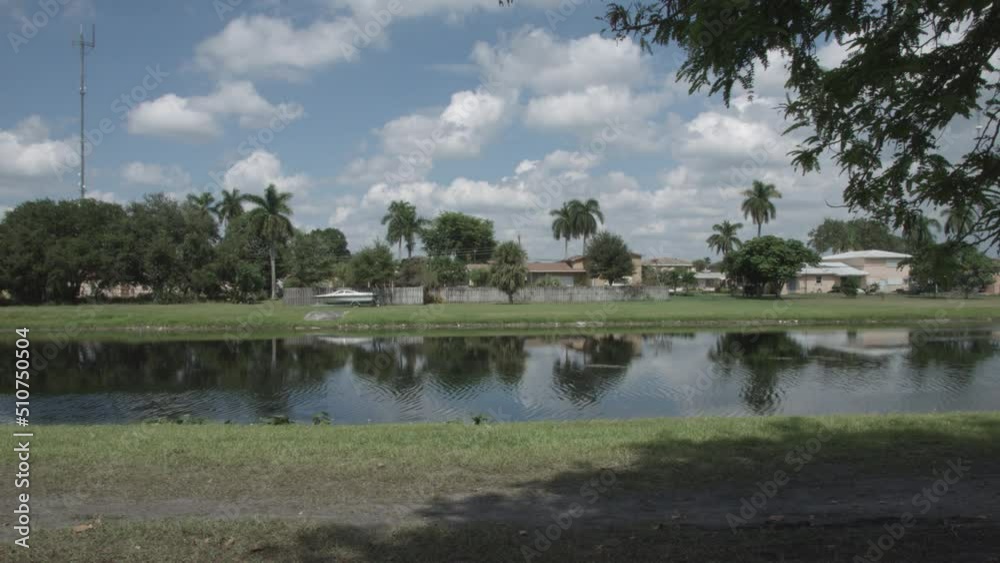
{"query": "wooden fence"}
(415, 295)
(553, 294)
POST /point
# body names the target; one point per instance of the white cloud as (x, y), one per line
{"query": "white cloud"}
(198, 118)
(268, 46)
(27, 151)
(591, 107)
(260, 168)
(171, 177)
(536, 59)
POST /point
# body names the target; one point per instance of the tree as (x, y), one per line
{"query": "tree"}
(271, 223)
(700, 265)
(564, 225)
(403, 225)
(960, 220)
(918, 231)
(447, 272)
(724, 240)
(50, 249)
(766, 263)
(951, 265)
(229, 207)
(204, 201)
(315, 256)
(585, 215)
(509, 272)
(608, 257)
(758, 206)
(856, 234)
(883, 113)
(241, 262)
(460, 236)
(373, 266)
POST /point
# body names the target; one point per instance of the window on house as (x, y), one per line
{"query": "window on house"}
(819, 279)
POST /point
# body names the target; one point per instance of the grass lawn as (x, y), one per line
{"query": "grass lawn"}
(692, 311)
(290, 487)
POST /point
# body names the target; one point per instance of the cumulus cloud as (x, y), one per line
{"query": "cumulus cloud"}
(260, 168)
(171, 177)
(27, 151)
(198, 118)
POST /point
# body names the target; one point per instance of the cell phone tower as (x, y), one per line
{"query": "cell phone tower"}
(85, 47)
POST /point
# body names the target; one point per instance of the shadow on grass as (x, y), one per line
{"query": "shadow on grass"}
(843, 488)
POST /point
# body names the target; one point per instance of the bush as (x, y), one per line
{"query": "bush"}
(548, 281)
(849, 287)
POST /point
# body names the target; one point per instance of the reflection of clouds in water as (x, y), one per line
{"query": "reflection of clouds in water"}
(380, 379)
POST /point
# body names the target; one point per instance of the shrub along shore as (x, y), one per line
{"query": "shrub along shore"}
(693, 311)
(461, 492)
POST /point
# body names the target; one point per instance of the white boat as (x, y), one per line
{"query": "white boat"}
(347, 297)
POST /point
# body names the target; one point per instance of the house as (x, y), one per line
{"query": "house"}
(881, 267)
(822, 278)
(665, 263)
(577, 263)
(710, 281)
(563, 272)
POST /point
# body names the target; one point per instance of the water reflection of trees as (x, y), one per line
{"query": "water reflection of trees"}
(948, 358)
(592, 366)
(765, 361)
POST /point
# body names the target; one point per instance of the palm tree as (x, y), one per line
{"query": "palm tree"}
(585, 217)
(757, 205)
(919, 230)
(269, 220)
(724, 240)
(230, 206)
(204, 201)
(960, 219)
(564, 225)
(404, 225)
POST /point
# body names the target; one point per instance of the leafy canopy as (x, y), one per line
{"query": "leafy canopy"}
(460, 236)
(889, 114)
(509, 272)
(608, 257)
(765, 264)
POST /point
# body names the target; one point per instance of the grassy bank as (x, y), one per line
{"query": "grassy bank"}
(681, 311)
(453, 492)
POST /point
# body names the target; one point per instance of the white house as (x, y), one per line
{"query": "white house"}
(880, 266)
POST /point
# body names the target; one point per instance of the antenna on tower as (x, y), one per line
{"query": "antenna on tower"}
(85, 47)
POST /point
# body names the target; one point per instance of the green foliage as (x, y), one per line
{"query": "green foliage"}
(700, 265)
(49, 249)
(883, 113)
(229, 207)
(849, 286)
(412, 272)
(576, 219)
(508, 272)
(404, 225)
(269, 220)
(322, 418)
(372, 267)
(608, 257)
(724, 239)
(314, 257)
(548, 281)
(460, 236)
(837, 236)
(757, 205)
(677, 278)
(241, 262)
(765, 264)
(447, 272)
(479, 277)
(951, 266)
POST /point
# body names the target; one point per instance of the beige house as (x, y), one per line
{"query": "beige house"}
(880, 266)
(666, 263)
(563, 272)
(577, 263)
(710, 281)
(822, 278)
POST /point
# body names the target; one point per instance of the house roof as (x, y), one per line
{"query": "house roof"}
(666, 261)
(866, 254)
(710, 276)
(831, 269)
(553, 268)
(579, 258)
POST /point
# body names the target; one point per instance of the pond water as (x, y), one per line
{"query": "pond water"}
(439, 378)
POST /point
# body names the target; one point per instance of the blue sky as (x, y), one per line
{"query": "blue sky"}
(451, 104)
